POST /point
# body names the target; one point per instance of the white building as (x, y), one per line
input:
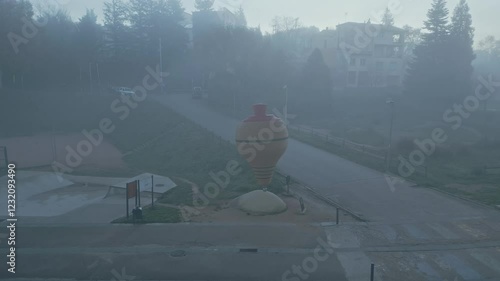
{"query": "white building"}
(370, 55)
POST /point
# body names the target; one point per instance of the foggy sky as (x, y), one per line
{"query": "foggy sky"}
(328, 13)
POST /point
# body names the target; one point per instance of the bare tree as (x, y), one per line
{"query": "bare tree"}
(285, 24)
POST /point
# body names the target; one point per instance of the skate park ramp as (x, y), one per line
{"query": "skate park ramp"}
(46, 197)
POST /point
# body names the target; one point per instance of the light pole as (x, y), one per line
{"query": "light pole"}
(390, 102)
(161, 65)
(286, 104)
(234, 103)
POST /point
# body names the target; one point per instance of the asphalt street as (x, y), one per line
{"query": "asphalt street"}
(172, 252)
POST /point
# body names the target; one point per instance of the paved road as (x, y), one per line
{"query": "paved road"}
(461, 250)
(362, 190)
(449, 251)
(171, 252)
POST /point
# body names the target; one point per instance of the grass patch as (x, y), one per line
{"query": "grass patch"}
(158, 214)
(441, 171)
(154, 139)
(352, 155)
(163, 142)
(180, 195)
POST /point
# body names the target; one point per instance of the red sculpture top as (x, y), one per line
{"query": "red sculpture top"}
(260, 114)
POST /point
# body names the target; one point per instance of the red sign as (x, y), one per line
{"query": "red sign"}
(131, 189)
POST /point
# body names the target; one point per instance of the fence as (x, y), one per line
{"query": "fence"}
(377, 153)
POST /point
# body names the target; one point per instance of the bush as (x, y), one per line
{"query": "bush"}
(477, 171)
(405, 145)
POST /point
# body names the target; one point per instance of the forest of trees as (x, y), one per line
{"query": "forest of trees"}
(48, 50)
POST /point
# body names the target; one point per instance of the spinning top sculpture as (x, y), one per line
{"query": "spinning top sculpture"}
(262, 139)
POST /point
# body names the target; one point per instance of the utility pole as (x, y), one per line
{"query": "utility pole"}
(390, 102)
(98, 77)
(161, 65)
(286, 104)
(90, 76)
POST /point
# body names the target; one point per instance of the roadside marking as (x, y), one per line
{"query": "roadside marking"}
(476, 233)
(342, 236)
(452, 262)
(387, 232)
(486, 259)
(415, 232)
(356, 265)
(443, 231)
(430, 273)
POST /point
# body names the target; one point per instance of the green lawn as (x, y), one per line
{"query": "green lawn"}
(156, 140)
(158, 214)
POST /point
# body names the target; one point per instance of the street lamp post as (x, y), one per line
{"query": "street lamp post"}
(234, 103)
(286, 104)
(389, 150)
(161, 66)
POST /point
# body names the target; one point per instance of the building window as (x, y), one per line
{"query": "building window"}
(393, 80)
(379, 51)
(363, 79)
(362, 62)
(379, 66)
(352, 78)
(379, 81)
(397, 51)
(353, 61)
(393, 66)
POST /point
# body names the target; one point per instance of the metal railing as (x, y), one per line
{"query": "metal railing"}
(379, 153)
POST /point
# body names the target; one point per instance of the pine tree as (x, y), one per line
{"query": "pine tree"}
(88, 37)
(430, 70)
(204, 5)
(242, 19)
(388, 18)
(12, 44)
(115, 17)
(461, 41)
(437, 22)
(316, 84)
(175, 10)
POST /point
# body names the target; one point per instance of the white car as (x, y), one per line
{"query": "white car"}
(124, 91)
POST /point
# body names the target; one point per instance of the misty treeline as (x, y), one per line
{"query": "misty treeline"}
(236, 64)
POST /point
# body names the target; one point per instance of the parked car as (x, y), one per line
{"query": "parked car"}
(124, 91)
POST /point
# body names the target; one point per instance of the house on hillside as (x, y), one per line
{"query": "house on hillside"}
(370, 55)
(204, 20)
(363, 55)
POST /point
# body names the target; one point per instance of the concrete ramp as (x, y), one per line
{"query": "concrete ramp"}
(146, 181)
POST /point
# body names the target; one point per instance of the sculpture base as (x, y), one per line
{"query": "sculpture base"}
(260, 203)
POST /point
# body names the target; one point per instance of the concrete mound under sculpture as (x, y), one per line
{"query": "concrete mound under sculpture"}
(260, 202)
(262, 140)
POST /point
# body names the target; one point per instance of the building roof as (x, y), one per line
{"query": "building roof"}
(392, 28)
